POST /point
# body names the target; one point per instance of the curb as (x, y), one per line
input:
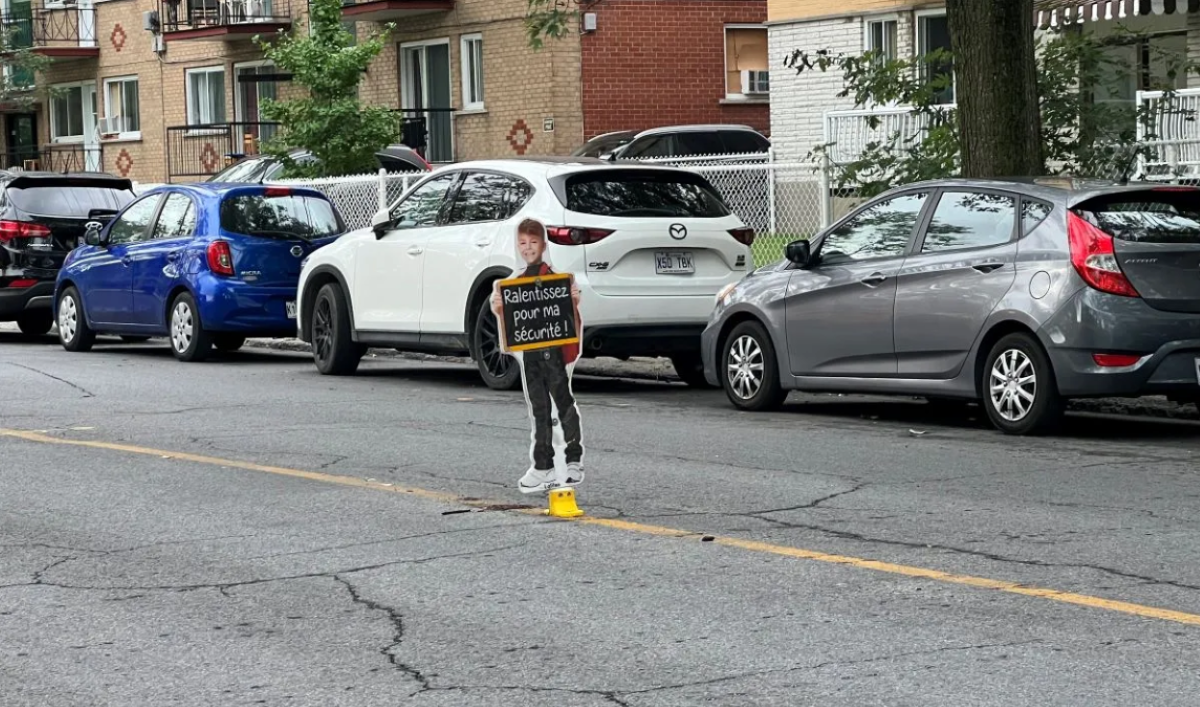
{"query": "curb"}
(650, 369)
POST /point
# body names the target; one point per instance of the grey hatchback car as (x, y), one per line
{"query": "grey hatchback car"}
(1020, 294)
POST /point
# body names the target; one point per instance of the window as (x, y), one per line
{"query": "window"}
(488, 197)
(177, 218)
(933, 33)
(121, 113)
(654, 146)
(286, 216)
(66, 113)
(421, 207)
(742, 142)
(206, 95)
(746, 71)
(698, 143)
(881, 231)
(642, 193)
(132, 225)
(970, 220)
(1032, 215)
(51, 199)
(882, 37)
(472, 71)
(1149, 216)
(1150, 63)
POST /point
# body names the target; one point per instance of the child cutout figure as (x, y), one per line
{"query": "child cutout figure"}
(546, 375)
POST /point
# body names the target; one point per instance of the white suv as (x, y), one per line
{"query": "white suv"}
(650, 247)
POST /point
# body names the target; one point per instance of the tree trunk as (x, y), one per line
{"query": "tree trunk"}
(996, 87)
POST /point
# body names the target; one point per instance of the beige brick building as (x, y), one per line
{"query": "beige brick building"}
(133, 101)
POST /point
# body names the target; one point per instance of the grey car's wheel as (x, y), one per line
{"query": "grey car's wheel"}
(334, 351)
(690, 369)
(189, 340)
(73, 329)
(1018, 387)
(498, 370)
(35, 323)
(748, 370)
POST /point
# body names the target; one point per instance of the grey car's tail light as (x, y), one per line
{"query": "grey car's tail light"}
(1095, 259)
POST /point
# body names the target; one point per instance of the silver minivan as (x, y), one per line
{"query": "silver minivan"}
(1018, 293)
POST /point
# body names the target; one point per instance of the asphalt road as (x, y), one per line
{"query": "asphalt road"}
(248, 532)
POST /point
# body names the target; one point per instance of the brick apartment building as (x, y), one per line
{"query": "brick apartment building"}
(168, 103)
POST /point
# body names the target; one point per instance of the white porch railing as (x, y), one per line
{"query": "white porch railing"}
(848, 132)
(1174, 119)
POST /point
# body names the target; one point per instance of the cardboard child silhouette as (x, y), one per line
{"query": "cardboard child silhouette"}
(546, 376)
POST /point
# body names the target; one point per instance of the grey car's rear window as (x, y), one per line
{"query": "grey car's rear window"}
(643, 193)
(279, 216)
(1151, 216)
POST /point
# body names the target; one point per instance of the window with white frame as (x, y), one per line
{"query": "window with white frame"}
(883, 38)
(746, 72)
(472, 71)
(933, 33)
(206, 95)
(66, 113)
(121, 110)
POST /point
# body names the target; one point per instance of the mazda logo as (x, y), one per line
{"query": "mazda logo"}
(678, 231)
(297, 251)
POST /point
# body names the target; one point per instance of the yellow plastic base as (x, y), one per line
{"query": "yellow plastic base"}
(562, 504)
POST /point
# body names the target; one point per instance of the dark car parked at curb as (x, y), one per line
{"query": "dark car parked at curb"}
(1021, 294)
(258, 169)
(43, 217)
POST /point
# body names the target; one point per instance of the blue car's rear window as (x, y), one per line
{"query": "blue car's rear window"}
(279, 216)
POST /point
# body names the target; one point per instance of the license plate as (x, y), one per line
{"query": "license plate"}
(291, 309)
(674, 263)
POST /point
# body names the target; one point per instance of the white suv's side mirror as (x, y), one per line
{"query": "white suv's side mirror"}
(381, 222)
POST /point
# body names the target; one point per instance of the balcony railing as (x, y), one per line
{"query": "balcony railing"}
(203, 150)
(55, 158)
(385, 10)
(199, 19)
(59, 32)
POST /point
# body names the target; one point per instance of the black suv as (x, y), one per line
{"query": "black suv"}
(44, 216)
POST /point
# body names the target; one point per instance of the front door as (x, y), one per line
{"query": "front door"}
(839, 311)
(389, 270)
(425, 90)
(252, 91)
(108, 296)
(963, 266)
(21, 132)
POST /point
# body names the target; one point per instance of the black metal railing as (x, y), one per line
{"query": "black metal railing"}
(204, 150)
(40, 27)
(55, 158)
(185, 15)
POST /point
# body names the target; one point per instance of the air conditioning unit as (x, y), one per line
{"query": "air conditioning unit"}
(150, 21)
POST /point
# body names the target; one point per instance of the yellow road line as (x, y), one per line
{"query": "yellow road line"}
(1085, 600)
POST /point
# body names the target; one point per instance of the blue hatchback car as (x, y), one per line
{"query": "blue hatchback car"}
(206, 265)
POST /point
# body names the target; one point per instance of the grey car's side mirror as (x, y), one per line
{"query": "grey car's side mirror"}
(799, 253)
(381, 222)
(92, 235)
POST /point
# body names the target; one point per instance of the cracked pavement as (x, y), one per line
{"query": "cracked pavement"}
(130, 579)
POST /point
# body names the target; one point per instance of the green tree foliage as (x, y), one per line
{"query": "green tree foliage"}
(549, 19)
(1081, 135)
(330, 121)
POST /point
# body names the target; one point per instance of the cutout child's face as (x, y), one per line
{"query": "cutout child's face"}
(531, 247)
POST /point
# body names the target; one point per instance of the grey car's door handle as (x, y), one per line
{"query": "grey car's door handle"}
(988, 267)
(874, 279)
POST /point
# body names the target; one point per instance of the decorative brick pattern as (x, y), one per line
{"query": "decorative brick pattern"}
(124, 163)
(117, 37)
(659, 62)
(520, 137)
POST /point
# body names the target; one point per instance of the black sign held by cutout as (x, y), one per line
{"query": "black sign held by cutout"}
(537, 312)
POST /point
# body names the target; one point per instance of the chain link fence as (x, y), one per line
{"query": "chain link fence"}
(358, 198)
